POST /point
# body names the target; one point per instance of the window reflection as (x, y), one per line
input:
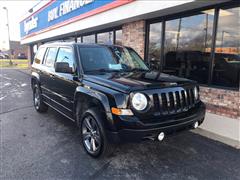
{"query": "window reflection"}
(65, 55)
(154, 45)
(105, 38)
(40, 55)
(227, 53)
(50, 57)
(118, 40)
(71, 39)
(79, 39)
(89, 39)
(187, 47)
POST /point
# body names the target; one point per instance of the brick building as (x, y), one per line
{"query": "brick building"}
(194, 39)
(17, 48)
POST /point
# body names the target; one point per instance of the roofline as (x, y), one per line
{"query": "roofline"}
(80, 44)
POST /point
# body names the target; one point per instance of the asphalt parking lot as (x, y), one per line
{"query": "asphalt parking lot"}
(46, 146)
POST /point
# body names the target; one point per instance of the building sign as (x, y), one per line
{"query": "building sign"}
(56, 13)
(66, 7)
(30, 24)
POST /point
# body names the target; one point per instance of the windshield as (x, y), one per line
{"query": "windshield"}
(110, 59)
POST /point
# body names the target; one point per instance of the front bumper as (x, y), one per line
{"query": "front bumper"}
(134, 130)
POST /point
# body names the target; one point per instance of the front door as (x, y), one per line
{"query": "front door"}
(65, 85)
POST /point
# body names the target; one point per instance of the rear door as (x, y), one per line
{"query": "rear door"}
(66, 83)
(48, 75)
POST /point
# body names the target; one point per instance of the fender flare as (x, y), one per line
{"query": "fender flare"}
(99, 96)
(35, 76)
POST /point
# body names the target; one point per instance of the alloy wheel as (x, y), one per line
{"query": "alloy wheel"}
(91, 135)
(37, 98)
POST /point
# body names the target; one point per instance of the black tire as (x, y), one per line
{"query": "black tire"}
(103, 147)
(38, 103)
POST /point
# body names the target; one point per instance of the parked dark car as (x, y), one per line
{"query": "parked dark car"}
(22, 56)
(4, 55)
(112, 95)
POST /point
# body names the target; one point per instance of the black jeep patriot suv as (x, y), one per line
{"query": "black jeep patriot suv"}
(112, 95)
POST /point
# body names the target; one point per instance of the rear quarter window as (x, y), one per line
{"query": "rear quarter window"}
(40, 55)
(50, 57)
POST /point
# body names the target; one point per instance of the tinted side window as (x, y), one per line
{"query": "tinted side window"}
(51, 56)
(66, 55)
(40, 55)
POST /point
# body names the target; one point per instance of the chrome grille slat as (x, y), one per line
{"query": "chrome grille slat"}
(168, 102)
(175, 101)
(186, 99)
(160, 103)
(180, 100)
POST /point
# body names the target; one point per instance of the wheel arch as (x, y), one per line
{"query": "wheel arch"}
(88, 99)
(35, 78)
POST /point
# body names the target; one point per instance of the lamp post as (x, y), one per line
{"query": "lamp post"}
(10, 59)
(178, 33)
(206, 33)
(223, 39)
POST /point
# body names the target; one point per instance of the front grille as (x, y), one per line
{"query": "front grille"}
(174, 101)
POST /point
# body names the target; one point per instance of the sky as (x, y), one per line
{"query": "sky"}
(16, 10)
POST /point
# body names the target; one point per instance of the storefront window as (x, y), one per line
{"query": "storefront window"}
(118, 40)
(226, 70)
(35, 48)
(154, 50)
(187, 46)
(79, 39)
(105, 38)
(89, 39)
(71, 39)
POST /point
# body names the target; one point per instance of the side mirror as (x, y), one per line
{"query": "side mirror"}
(63, 67)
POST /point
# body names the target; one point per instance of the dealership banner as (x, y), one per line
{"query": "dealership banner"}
(57, 13)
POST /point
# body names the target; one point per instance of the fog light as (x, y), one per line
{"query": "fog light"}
(161, 136)
(195, 125)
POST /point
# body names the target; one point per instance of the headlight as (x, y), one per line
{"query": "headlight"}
(139, 101)
(196, 93)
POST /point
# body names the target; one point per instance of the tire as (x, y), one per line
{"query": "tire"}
(93, 134)
(38, 103)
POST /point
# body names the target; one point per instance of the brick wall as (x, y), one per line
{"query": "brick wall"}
(134, 36)
(221, 102)
(17, 48)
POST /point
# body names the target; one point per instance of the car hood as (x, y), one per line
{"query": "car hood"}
(127, 82)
